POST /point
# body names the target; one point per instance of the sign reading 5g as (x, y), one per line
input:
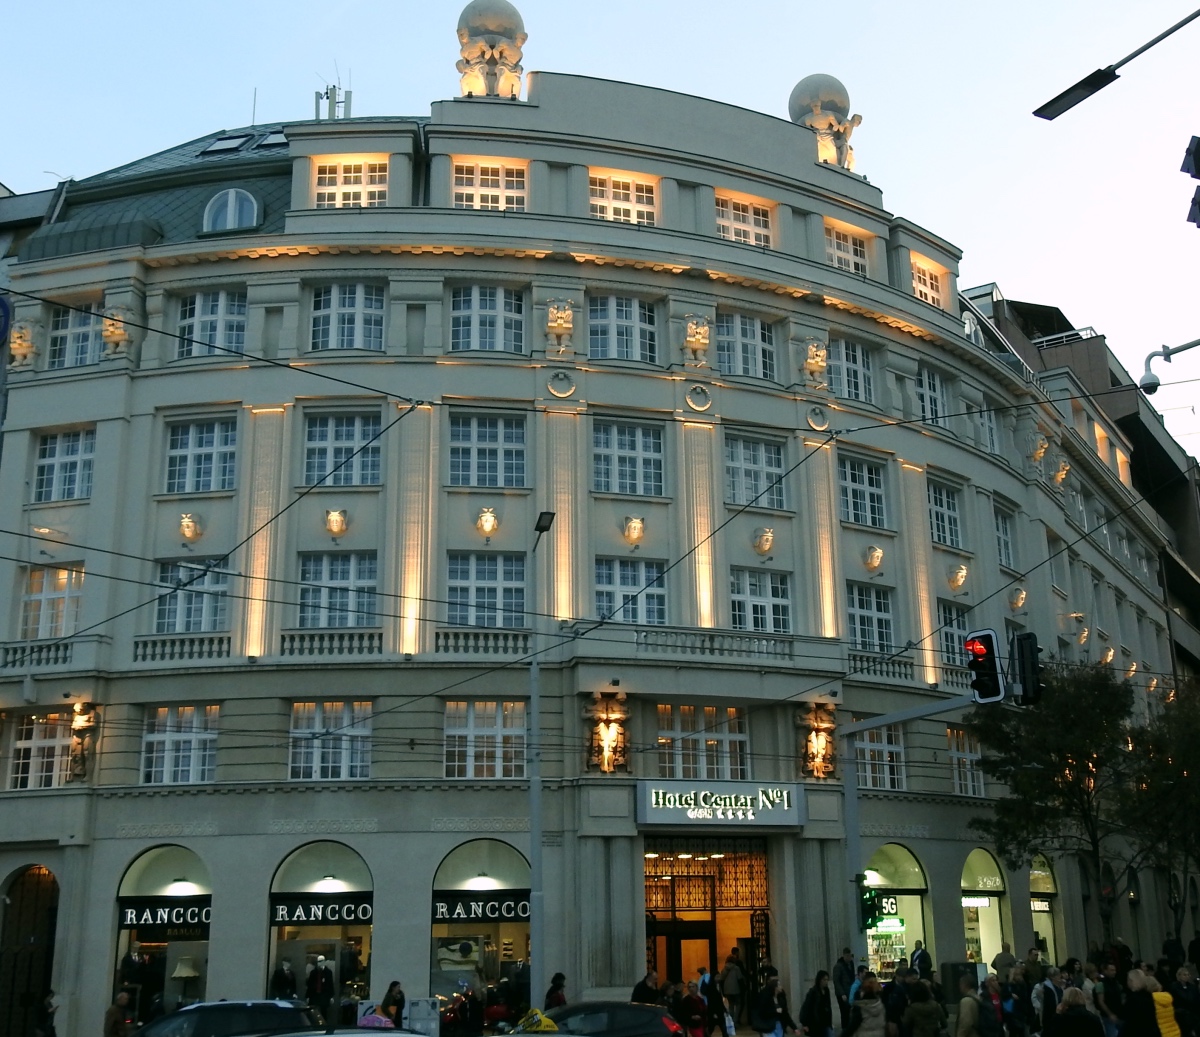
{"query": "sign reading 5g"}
(889, 906)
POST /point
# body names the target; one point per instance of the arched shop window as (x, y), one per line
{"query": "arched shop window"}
(480, 926)
(982, 893)
(164, 903)
(321, 909)
(1043, 906)
(895, 872)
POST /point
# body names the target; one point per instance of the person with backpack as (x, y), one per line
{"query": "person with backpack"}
(867, 1015)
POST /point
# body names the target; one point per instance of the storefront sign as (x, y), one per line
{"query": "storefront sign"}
(1039, 905)
(706, 804)
(976, 901)
(467, 905)
(890, 925)
(166, 918)
(321, 908)
(889, 905)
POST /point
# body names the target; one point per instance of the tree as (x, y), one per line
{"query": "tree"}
(1066, 764)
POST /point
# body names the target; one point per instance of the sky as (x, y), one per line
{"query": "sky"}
(1087, 213)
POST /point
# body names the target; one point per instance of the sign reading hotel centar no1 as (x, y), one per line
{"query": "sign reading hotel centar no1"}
(735, 804)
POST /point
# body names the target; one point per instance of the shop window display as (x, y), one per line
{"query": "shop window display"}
(895, 872)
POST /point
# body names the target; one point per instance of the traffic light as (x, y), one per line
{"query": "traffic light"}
(870, 908)
(1029, 668)
(983, 660)
(1191, 166)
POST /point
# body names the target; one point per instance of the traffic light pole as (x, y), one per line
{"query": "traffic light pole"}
(850, 821)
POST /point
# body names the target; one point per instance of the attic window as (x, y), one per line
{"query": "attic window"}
(272, 139)
(226, 144)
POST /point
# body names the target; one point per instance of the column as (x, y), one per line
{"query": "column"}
(440, 175)
(814, 225)
(559, 568)
(264, 472)
(539, 194)
(240, 919)
(922, 602)
(818, 511)
(301, 183)
(696, 496)
(788, 232)
(706, 209)
(668, 204)
(578, 198)
(410, 500)
(813, 952)
(400, 179)
(900, 267)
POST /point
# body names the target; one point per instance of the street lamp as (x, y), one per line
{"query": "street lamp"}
(1149, 382)
(537, 918)
(1099, 79)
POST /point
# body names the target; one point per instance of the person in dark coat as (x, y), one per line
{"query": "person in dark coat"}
(283, 982)
(318, 989)
(646, 992)
(556, 996)
(1073, 1019)
(816, 1014)
(844, 975)
(1140, 1019)
(1187, 1002)
(770, 1014)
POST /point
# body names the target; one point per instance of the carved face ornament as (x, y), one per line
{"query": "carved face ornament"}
(336, 522)
(764, 540)
(487, 523)
(635, 529)
(189, 526)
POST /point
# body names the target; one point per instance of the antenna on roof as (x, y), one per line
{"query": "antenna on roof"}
(339, 102)
(254, 108)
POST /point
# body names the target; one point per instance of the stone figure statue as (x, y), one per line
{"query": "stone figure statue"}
(473, 65)
(821, 103)
(490, 36)
(22, 343)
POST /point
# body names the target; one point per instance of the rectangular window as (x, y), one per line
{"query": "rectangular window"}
(486, 590)
(989, 431)
(744, 222)
(861, 488)
(485, 739)
(41, 752)
(943, 515)
(927, 284)
(338, 590)
(484, 317)
(745, 345)
(50, 604)
(931, 398)
(179, 745)
(201, 456)
(623, 198)
(348, 316)
(631, 591)
(965, 756)
(210, 320)
(330, 741)
(627, 459)
(346, 445)
(64, 466)
(754, 472)
(880, 755)
(703, 743)
(622, 328)
(198, 599)
(760, 601)
(351, 185)
(870, 609)
(494, 186)
(849, 368)
(952, 632)
(487, 451)
(1056, 553)
(846, 251)
(1004, 539)
(75, 336)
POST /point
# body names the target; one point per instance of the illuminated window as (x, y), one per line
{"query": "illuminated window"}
(927, 284)
(234, 209)
(623, 198)
(342, 450)
(931, 397)
(486, 590)
(870, 609)
(351, 185)
(745, 222)
(64, 466)
(50, 604)
(627, 459)
(208, 320)
(487, 451)
(880, 757)
(348, 316)
(629, 591)
(861, 488)
(745, 345)
(197, 599)
(952, 632)
(1004, 537)
(965, 757)
(484, 739)
(330, 741)
(761, 601)
(338, 590)
(754, 472)
(703, 743)
(849, 368)
(179, 745)
(484, 317)
(944, 526)
(75, 338)
(493, 186)
(41, 752)
(621, 328)
(201, 456)
(845, 250)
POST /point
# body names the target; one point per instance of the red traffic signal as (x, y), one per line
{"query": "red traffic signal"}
(976, 647)
(983, 660)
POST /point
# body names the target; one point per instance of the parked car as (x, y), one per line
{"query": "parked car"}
(613, 1019)
(234, 1019)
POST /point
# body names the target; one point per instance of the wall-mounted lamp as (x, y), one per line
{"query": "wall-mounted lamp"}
(544, 521)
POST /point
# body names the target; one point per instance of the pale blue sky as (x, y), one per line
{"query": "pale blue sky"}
(1087, 213)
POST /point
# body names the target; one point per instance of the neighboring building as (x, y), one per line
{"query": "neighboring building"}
(282, 416)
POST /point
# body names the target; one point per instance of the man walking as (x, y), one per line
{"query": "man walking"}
(646, 992)
(843, 980)
(116, 1019)
(922, 961)
(1003, 962)
(733, 984)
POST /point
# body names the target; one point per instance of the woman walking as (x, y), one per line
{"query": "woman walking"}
(556, 996)
(770, 1016)
(694, 1011)
(816, 1014)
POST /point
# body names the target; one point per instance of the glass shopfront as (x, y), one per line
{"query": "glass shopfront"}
(896, 873)
(1043, 894)
(163, 909)
(982, 894)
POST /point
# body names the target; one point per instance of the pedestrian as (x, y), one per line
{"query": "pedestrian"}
(44, 1025)
(393, 1002)
(1035, 970)
(770, 1013)
(1140, 1018)
(556, 996)
(283, 981)
(733, 985)
(969, 1009)
(844, 975)
(923, 1017)
(116, 1019)
(1172, 950)
(816, 1014)
(922, 961)
(1052, 994)
(867, 1015)
(1109, 996)
(693, 1011)
(991, 1000)
(1187, 1002)
(1074, 1019)
(1003, 962)
(856, 986)
(1164, 1009)
(646, 991)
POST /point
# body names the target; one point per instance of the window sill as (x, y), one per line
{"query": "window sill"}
(514, 491)
(760, 509)
(228, 232)
(197, 495)
(863, 527)
(611, 495)
(962, 552)
(1008, 570)
(477, 353)
(621, 363)
(357, 351)
(307, 488)
(56, 504)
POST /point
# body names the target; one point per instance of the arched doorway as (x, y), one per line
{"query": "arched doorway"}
(480, 924)
(30, 914)
(895, 871)
(164, 903)
(1043, 906)
(322, 902)
(982, 891)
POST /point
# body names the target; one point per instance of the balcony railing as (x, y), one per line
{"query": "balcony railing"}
(956, 677)
(331, 642)
(181, 648)
(35, 654)
(481, 641)
(870, 665)
(720, 644)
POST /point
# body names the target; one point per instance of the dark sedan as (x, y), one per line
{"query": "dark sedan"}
(614, 1019)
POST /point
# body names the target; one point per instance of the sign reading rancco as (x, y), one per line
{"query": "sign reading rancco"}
(465, 905)
(737, 804)
(321, 909)
(166, 918)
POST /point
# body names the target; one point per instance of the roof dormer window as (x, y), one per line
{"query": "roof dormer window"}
(232, 209)
(226, 144)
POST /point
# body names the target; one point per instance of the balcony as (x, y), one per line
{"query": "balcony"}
(181, 648)
(956, 678)
(885, 667)
(79, 653)
(309, 643)
(713, 643)
(481, 641)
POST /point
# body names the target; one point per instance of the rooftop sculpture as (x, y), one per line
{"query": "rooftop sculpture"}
(491, 34)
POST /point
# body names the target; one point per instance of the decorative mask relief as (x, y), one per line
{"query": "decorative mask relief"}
(1064, 469)
(336, 522)
(957, 576)
(1038, 446)
(487, 523)
(115, 330)
(189, 527)
(818, 749)
(22, 343)
(560, 325)
(764, 540)
(1018, 598)
(608, 714)
(873, 557)
(634, 530)
(696, 338)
